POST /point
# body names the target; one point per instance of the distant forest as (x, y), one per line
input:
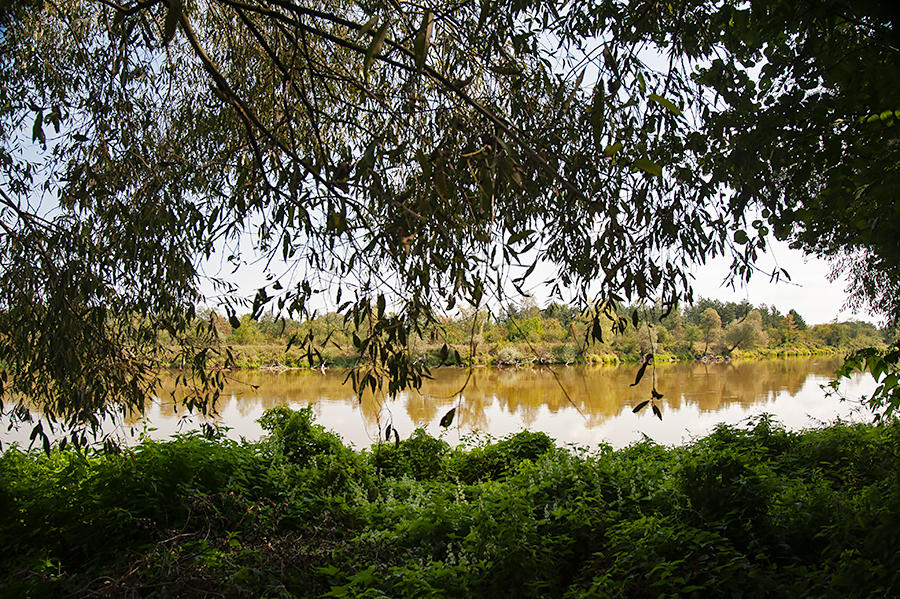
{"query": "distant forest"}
(556, 334)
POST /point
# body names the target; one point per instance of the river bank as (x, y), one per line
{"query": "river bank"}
(556, 334)
(275, 357)
(753, 511)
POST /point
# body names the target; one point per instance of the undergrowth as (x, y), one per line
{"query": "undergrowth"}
(747, 511)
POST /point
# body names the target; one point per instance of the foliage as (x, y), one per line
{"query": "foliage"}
(882, 364)
(499, 459)
(828, 186)
(746, 333)
(711, 325)
(755, 510)
(294, 435)
(383, 155)
(420, 457)
(727, 311)
(798, 320)
(509, 356)
(499, 341)
(396, 159)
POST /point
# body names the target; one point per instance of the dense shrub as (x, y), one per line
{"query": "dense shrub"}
(653, 556)
(509, 355)
(495, 460)
(747, 511)
(420, 456)
(294, 436)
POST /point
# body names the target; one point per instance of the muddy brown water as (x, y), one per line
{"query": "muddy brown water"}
(582, 405)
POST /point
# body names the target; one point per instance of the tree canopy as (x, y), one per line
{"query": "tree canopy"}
(398, 159)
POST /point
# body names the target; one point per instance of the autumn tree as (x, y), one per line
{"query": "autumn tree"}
(798, 320)
(789, 328)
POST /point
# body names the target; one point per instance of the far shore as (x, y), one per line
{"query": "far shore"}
(273, 358)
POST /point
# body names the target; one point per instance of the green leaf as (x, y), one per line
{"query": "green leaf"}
(667, 104)
(259, 302)
(597, 331)
(376, 45)
(37, 131)
(597, 109)
(656, 411)
(740, 237)
(648, 166)
(37, 430)
(640, 406)
(514, 239)
(423, 39)
(613, 149)
(291, 342)
(640, 374)
(447, 419)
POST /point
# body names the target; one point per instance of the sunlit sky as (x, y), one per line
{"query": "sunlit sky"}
(809, 292)
(817, 299)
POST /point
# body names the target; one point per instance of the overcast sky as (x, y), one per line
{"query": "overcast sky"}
(809, 292)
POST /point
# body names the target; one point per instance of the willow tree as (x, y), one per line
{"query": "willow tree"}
(394, 159)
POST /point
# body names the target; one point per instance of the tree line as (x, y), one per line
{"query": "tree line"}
(559, 333)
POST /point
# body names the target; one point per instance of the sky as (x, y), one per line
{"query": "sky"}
(809, 292)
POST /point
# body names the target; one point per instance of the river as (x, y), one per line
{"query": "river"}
(583, 405)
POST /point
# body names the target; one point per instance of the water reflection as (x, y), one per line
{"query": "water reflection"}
(585, 405)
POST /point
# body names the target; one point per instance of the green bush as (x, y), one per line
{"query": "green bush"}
(294, 435)
(421, 456)
(496, 460)
(509, 355)
(653, 556)
(752, 511)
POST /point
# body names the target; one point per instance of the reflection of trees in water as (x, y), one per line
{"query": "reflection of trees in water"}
(715, 386)
(422, 408)
(598, 392)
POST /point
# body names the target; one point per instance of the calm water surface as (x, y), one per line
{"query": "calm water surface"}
(583, 405)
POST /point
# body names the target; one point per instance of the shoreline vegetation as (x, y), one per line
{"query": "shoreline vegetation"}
(752, 511)
(708, 330)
